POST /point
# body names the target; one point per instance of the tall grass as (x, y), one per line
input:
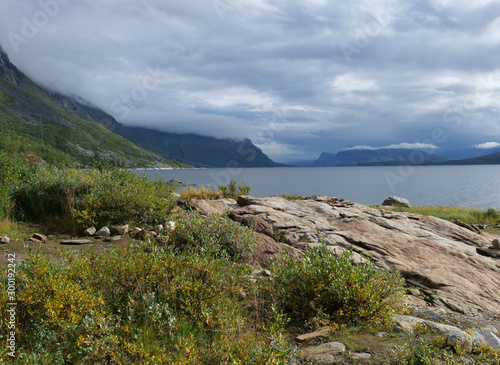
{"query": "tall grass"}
(468, 215)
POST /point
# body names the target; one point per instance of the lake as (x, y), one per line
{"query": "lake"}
(467, 186)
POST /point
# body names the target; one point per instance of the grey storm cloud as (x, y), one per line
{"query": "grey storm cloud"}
(298, 77)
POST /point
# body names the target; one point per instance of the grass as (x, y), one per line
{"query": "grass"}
(490, 217)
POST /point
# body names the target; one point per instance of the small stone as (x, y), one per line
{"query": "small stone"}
(415, 292)
(158, 229)
(460, 339)
(103, 232)
(381, 334)
(115, 238)
(123, 230)
(90, 231)
(361, 356)
(267, 273)
(170, 225)
(395, 201)
(5, 240)
(496, 243)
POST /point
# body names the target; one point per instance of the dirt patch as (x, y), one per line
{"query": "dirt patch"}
(50, 249)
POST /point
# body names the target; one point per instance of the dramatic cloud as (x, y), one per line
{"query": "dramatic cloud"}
(298, 77)
(487, 145)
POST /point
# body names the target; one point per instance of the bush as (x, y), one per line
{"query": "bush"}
(232, 190)
(201, 193)
(140, 305)
(14, 171)
(332, 286)
(437, 352)
(80, 199)
(214, 235)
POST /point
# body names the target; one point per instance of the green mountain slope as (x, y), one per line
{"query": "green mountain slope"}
(57, 128)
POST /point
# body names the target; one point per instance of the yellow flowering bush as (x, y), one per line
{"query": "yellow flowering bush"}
(145, 304)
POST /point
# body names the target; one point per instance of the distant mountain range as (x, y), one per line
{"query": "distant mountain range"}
(388, 157)
(66, 131)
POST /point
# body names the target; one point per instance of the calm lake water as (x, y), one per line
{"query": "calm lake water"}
(468, 186)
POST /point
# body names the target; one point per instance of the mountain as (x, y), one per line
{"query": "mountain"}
(63, 130)
(58, 128)
(490, 159)
(464, 153)
(376, 157)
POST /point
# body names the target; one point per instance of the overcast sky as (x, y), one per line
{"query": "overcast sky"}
(298, 77)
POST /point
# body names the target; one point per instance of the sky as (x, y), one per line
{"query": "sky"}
(297, 77)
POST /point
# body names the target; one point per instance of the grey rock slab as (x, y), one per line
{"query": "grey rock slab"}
(322, 332)
(326, 353)
(484, 338)
(75, 242)
(361, 356)
(5, 240)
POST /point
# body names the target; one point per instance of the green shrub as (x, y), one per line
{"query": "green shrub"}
(437, 352)
(140, 305)
(332, 286)
(80, 199)
(200, 193)
(14, 171)
(214, 235)
(232, 190)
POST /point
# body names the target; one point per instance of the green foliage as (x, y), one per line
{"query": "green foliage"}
(200, 193)
(215, 236)
(80, 199)
(292, 197)
(490, 216)
(329, 285)
(6, 98)
(14, 171)
(436, 352)
(140, 305)
(232, 190)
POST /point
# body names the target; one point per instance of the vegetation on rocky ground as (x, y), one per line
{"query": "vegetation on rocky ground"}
(184, 298)
(230, 191)
(489, 217)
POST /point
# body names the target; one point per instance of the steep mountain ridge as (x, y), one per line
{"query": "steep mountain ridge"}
(57, 128)
(62, 128)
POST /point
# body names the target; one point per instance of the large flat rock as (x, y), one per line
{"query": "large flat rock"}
(431, 253)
